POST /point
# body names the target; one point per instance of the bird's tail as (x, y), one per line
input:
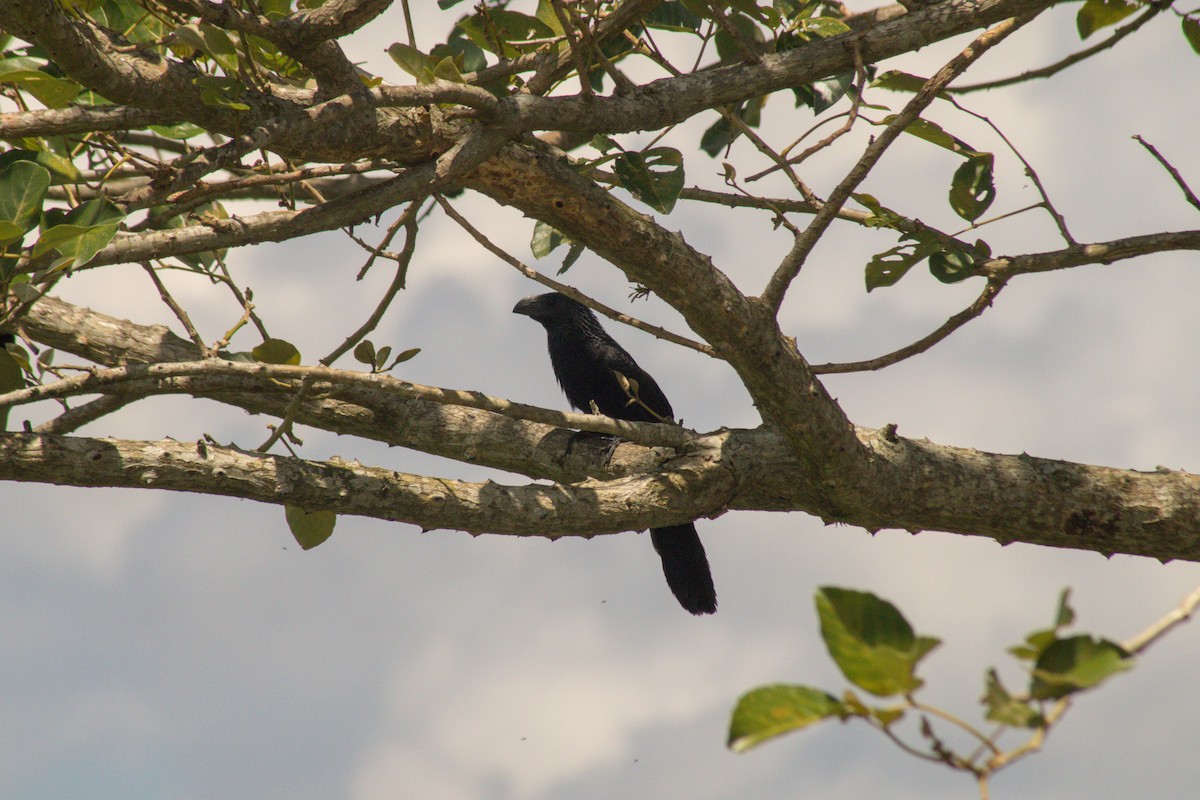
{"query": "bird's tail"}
(686, 567)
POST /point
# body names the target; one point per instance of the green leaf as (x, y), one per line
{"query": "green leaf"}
(364, 352)
(100, 211)
(730, 48)
(181, 130)
(1004, 709)
(23, 186)
(511, 27)
(827, 92)
(1191, 32)
(404, 356)
(412, 61)
(573, 253)
(276, 351)
(76, 244)
(1076, 663)
(887, 716)
(605, 143)
(951, 265)
(888, 267)
(447, 70)
(1037, 641)
(897, 81)
(1097, 14)
(61, 169)
(11, 379)
(79, 234)
(222, 49)
(935, 134)
(129, 17)
(822, 27)
(1034, 644)
(10, 232)
(672, 16)
(545, 13)
(467, 54)
(881, 216)
(275, 9)
(310, 528)
(221, 92)
(654, 176)
(1065, 615)
(29, 75)
(771, 711)
(719, 135)
(871, 641)
(546, 239)
(972, 189)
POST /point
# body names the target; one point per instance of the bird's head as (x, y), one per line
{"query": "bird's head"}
(551, 309)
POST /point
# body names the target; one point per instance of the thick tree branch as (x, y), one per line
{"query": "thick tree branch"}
(166, 86)
(741, 330)
(920, 485)
(100, 61)
(672, 100)
(1004, 497)
(164, 378)
(60, 121)
(363, 410)
(583, 509)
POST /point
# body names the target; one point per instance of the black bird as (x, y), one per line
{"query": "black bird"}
(592, 369)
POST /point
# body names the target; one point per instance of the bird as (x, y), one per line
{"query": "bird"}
(598, 375)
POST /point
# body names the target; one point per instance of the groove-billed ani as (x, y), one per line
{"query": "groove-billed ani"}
(592, 368)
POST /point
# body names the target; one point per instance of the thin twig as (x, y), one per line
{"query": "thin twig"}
(1074, 58)
(408, 220)
(749, 54)
(994, 285)
(179, 311)
(190, 198)
(983, 739)
(1174, 173)
(1059, 220)
(408, 23)
(574, 294)
(1179, 615)
(75, 418)
(245, 301)
(576, 46)
(860, 81)
(284, 428)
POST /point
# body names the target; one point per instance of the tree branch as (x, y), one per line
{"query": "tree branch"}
(161, 378)
(774, 292)
(583, 509)
(79, 119)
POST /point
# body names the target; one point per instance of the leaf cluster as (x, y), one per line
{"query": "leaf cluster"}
(877, 651)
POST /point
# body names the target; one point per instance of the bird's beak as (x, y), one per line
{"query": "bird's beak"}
(526, 306)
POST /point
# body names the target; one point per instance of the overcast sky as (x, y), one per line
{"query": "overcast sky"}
(183, 647)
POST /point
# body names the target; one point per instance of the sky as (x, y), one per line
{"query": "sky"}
(179, 647)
